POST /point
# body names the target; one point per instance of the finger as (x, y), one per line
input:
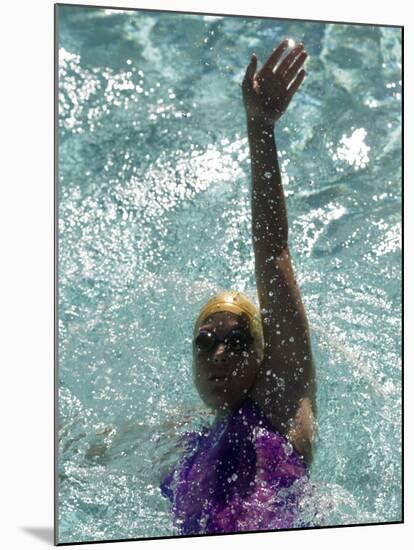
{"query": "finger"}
(289, 59)
(275, 56)
(251, 69)
(296, 83)
(294, 68)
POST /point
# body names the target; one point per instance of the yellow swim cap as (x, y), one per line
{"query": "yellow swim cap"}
(238, 303)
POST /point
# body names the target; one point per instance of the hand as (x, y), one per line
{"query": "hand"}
(267, 94)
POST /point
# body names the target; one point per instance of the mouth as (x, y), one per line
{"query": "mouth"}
(218, 379)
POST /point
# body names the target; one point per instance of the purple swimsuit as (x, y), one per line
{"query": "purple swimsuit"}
(238, 476)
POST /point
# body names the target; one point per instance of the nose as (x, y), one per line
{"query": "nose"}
(220, 354)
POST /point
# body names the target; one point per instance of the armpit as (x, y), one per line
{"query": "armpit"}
(303, 432)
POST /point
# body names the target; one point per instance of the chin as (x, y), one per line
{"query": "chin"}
(222, 400)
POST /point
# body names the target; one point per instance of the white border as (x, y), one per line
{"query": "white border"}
(27, 269)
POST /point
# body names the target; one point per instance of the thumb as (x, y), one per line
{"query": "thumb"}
(251, 69)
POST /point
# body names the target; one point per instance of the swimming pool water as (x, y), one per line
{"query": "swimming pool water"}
(154, 217)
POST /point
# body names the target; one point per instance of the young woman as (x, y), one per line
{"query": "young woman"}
(253, 368)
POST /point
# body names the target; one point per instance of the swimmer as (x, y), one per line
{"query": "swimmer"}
(253, 367)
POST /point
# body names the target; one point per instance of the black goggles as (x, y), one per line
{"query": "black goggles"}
(236, 340)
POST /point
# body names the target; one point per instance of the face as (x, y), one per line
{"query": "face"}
(224, 373)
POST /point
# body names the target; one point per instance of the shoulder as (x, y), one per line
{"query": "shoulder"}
(187, 444)
(292, 420)
(277, 460)
(189, 441)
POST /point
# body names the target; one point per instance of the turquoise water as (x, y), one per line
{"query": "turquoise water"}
(154, 217)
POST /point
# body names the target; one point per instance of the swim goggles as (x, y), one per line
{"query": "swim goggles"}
(236, 340)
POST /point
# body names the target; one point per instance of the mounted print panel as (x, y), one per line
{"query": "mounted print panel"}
(229, 274)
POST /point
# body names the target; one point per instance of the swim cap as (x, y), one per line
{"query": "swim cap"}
(234, 302)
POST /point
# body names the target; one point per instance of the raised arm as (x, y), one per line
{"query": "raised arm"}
(285, 387)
